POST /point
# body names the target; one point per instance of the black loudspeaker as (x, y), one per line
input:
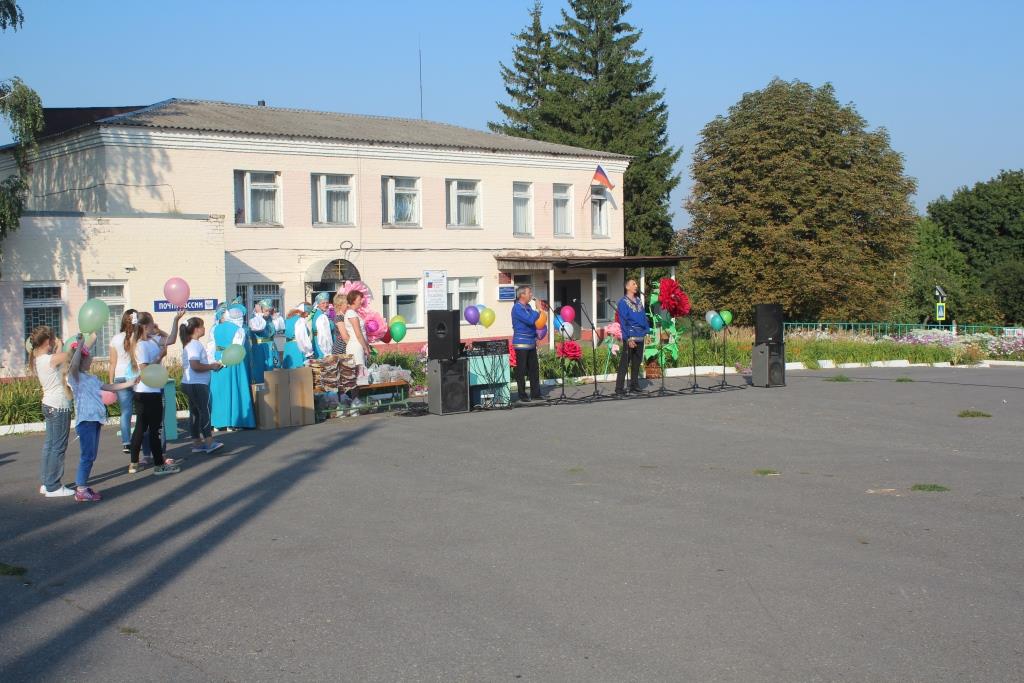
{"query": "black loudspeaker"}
(448, 386)
(443, 335)
(768, 365)
(768, 319)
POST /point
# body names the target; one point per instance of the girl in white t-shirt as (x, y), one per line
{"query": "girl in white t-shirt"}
(149, 403)
(195, 383)
(90, 414)
(49, 364)
(120, 370)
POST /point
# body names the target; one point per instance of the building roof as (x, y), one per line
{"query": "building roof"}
(241, 119)
(57, 120)
(512, 261)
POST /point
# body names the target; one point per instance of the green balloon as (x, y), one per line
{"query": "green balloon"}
(397, 330)
(154, 376)
(726, 317)
(92, 316)
(233, 355)
(67, 345)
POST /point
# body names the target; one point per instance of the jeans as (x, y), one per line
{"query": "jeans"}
(58, 428)
(124, 399)
(149, 421)
(198, 410)
(630, 357)
(89, 443)
(526, 365)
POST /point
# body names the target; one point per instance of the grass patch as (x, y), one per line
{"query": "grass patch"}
(11, 570)
(575, 470)
(766, 473)
(973, 413)
(904, 379)
(838, 378)
(929, 487)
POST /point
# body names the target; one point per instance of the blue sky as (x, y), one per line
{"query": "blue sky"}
(945, 78)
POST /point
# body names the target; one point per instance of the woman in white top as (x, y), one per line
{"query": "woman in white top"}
(357, 346)
(149, 400)
(195, 383)
(120, 370)
(50, 365)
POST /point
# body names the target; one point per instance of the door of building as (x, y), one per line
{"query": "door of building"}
(565, 292)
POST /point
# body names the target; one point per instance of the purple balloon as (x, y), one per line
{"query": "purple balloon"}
(472, 315)
(542, 332)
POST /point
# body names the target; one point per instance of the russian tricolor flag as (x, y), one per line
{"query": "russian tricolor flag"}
(601, 178)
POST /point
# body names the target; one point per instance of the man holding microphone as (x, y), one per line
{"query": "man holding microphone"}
(633, 321)
(524, 342)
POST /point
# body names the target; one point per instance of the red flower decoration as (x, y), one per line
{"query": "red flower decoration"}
(672, 298)
(569, 349)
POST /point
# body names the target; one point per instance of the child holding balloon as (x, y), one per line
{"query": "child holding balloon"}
(149, 397)
(90, 414)
(48, 365)
(195, 383)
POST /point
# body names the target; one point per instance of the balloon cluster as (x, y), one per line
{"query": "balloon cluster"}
(717, 320)
(478, 314)
(397, 328)
(563, 320)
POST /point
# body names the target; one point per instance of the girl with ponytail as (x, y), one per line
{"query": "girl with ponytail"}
(148, 401)
(195, 383)
(49, 364)
(120, 370)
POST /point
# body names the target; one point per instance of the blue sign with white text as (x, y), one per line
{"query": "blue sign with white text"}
(193, 305)
(506, 292)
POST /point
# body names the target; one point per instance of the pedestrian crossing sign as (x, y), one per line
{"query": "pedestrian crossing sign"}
(940, 310)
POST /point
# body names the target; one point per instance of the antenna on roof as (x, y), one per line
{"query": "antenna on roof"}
(261, 103)
(419, 49)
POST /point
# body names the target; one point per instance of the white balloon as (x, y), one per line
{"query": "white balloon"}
(567, 327)
(709, 315)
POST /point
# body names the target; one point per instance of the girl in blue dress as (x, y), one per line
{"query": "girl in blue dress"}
(298, 345)
(230, 395)
(262, 328)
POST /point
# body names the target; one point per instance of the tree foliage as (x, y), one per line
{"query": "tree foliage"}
(599, 93)
(987, 224)
(796, 202)
(21, 108)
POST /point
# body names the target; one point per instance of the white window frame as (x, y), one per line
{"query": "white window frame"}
(453, 193)
(599, 195)
(455, 289)
(528, 196)
(115, 321)
(388, 191)
(556, 195)
(602, 283)
(322, 187)
(247, 187)
(389, 297)
(43, 303)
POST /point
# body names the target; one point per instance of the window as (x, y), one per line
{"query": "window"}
(598, 212)
(111, 293)
(522, 209)
(332, 200)
(400, 201)
(402, 297)
(563, 210)
(604, 311)
(462, 292)
(256, 198)
(43, 306)
(251, 293)
(464, 203)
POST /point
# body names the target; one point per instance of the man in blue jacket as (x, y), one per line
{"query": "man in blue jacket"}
(524, 342)
(633, 321)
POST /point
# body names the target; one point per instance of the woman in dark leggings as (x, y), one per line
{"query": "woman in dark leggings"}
(149, 401)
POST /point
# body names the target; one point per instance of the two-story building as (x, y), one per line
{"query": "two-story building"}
(263, 202)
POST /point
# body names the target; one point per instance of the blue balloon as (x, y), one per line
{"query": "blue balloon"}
(717, 323)
(558, 322)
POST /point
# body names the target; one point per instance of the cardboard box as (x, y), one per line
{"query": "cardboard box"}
(271, 400)
(300, 397)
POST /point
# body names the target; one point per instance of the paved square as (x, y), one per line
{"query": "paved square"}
(619, 541)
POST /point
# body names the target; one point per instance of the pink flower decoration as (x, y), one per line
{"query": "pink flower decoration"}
(614, 329)
(358, 286)
(369, 315)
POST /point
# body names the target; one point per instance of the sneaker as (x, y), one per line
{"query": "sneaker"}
(173, 461)
(166, 469)
(214, 446)
(87, 495)
(126, 448)
(198, 448)
(60, 493)
(523, 398)
(135, 467)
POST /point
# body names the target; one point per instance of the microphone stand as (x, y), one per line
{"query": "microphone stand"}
(596, 396)
(694, 388)
(562, 398)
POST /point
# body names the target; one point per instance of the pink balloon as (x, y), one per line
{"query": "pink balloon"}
(176, 291)
(568, 313)
(372, 326)
(108, 398)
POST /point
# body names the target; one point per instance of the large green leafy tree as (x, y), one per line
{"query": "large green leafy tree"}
(527, 80)
(601, 94)
(987, 222)
(21, 107)
(796, 202)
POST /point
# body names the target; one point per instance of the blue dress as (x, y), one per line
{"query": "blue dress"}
(317, 351)
(293, 356)
(230, 395)
(262, 352)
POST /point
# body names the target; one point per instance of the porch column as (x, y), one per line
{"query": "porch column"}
(672, 272)
(593, 306)
(643, 280)
(551, 308)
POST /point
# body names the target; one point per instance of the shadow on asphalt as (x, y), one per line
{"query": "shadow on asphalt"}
(90, 556)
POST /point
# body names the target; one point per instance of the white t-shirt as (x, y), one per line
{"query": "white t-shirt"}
(354, 348)
(52, 380)
(146, 353)
(88, 402)
(194, 350)
(123, 365)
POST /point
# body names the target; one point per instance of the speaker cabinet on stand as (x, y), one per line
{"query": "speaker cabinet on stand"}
(768, 365)
(443, 335)
(448, 386)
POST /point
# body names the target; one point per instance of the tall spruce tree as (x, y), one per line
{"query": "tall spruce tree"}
(527, 80)
(601, 95)
(796, 202)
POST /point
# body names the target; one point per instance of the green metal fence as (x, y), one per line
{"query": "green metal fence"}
(887, 329)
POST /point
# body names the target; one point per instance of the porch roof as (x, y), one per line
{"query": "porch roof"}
(565, 262)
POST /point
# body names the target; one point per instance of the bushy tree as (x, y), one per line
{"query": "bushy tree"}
(796, 202)
(527, 80)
